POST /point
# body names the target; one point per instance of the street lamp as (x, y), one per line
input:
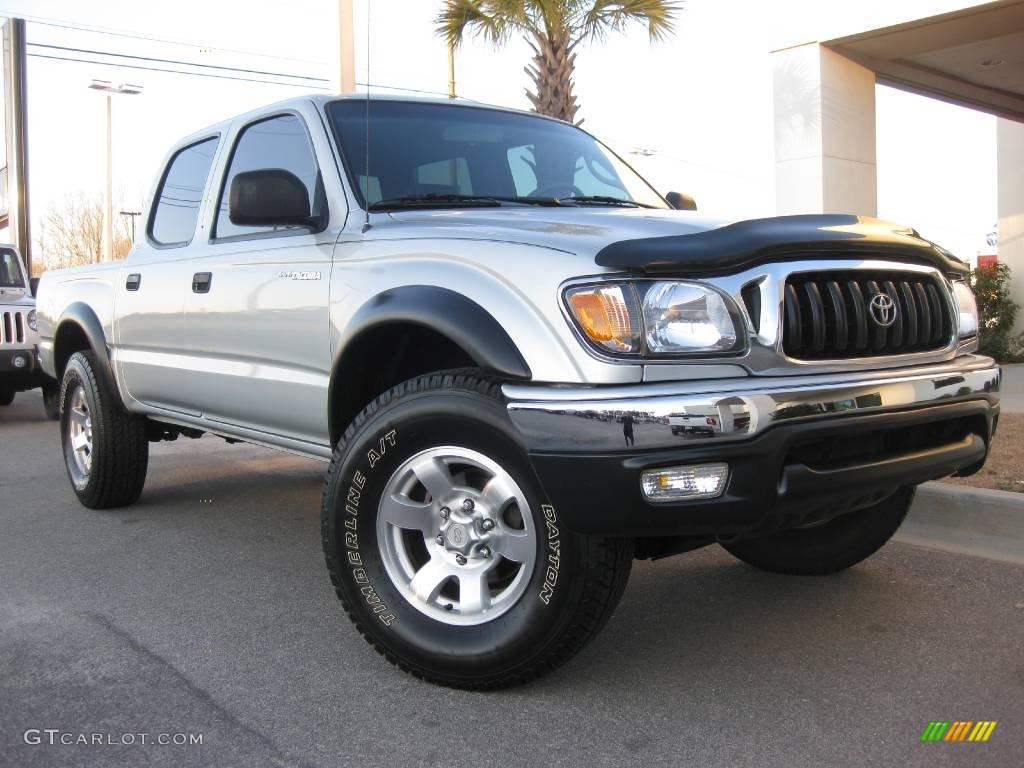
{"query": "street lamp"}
(132, 215)
(125, 89)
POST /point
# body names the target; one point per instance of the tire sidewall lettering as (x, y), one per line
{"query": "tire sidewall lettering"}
(350, 543)
(552, 554)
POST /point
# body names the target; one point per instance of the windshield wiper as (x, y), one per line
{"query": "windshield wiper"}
(444, 199)
(602, 200)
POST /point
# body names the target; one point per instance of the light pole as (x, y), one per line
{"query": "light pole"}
(110, 89)
(132, 215)
(346, 48)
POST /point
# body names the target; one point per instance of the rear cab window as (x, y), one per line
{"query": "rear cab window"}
(176, 208)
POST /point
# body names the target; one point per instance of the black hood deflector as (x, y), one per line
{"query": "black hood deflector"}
(745, 244)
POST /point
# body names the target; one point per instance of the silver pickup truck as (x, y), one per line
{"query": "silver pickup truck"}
(525, 366)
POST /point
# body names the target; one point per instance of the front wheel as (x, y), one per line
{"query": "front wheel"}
(6, 396)
(442, 546)
(827, 547)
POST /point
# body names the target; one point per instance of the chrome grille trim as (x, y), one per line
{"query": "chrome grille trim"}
(829, 315)
(767, 353)
(13, 328)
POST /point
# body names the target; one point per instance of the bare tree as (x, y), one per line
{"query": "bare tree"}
(72, 233)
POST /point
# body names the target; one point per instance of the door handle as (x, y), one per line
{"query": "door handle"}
(201, 282)
(133, 282)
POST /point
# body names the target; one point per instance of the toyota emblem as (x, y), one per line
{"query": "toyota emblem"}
(883, 309)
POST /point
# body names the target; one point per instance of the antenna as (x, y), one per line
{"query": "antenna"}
(366, 170)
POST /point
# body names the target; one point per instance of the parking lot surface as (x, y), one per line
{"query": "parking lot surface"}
(206, 608)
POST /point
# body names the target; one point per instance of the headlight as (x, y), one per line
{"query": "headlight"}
(967, 308)
(659, 318)
(32, 321)
(687, 317)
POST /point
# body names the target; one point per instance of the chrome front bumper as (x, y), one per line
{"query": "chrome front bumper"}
(670, 415)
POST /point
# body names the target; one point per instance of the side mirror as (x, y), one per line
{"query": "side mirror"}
(33, 285)
(270, 197)
(681, 202)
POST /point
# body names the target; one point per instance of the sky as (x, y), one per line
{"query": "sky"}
(698, 105)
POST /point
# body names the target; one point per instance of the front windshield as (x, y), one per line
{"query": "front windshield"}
(10, 270)
(424, 151)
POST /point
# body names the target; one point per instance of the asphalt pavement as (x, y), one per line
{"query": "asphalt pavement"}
(206, 609)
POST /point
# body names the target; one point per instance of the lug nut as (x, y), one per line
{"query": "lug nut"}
(440, 539)
(445, 513)
(460, 559)
(484, 551)
(468, 505)
(487, 524)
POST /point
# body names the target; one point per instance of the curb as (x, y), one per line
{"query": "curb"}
(970, 521)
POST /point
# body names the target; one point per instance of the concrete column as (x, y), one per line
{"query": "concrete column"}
(1010, 151)
(824, 133)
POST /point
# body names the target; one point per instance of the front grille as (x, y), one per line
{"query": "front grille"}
(830, 315)
(12, 328)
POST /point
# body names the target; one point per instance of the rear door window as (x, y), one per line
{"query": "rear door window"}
(181, 194)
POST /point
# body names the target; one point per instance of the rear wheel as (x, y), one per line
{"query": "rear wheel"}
(105, 447)
(442, 546)
(827, 547)
(6, 396)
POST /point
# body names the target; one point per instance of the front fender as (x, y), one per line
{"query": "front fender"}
(451, 314)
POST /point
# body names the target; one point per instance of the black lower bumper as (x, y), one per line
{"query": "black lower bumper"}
(20, 370)
(791, 474)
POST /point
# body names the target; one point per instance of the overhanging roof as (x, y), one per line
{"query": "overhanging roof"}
(973, 57)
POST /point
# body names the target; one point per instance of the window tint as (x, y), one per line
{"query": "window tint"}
(418, 149)
(177, 205)
(10, 270)
(520, 162)
(447, 177)
(280, 143)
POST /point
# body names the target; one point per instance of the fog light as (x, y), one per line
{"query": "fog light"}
(18, 361)
(697, 481)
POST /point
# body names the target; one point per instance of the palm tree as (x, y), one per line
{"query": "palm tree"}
(553, 29)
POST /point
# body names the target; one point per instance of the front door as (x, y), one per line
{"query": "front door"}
(257, 332)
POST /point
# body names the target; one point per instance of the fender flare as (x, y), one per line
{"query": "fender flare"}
(83, 316)
(451, 314)
(443, 311)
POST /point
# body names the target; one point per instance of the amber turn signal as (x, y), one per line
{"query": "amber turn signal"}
(607, 315)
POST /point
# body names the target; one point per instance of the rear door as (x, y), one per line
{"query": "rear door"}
(256, 308)
(150, 292)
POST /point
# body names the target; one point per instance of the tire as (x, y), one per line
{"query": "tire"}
(51, 401)
(6, 396)
(829, 547)
(107, 469)
(497, 618)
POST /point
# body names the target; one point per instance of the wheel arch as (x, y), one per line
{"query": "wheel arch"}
(79, 329)
(407, 331)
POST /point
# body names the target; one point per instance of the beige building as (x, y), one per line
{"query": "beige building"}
(824, 95)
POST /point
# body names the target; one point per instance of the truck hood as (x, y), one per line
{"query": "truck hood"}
(678, 242)
(16, 297)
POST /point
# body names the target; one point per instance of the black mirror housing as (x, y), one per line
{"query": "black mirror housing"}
(33, 285)
(270, 197)
(681, 202)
